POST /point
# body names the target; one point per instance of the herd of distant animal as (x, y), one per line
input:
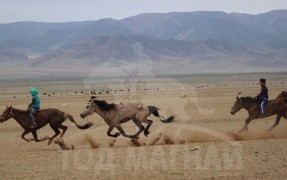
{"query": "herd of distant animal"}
(92, 92)
(116, 114)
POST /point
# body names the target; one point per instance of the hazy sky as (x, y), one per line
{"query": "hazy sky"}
(81, 10)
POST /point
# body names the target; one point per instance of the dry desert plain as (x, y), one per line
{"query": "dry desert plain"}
(202, 143)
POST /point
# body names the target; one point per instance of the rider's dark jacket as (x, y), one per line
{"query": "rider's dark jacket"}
(263, 94)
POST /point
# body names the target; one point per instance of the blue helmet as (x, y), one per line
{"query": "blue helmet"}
(34, 91)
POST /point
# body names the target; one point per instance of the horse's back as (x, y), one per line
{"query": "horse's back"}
(132, 108)
(51, 112)
(135, 105)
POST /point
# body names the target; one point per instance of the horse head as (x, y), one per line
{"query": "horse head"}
(237, 105)
(7, 114)
(90, 109)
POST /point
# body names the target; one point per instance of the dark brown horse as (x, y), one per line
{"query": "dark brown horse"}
(114, 116)
(54, 117)
(254, 110)
(281, 98)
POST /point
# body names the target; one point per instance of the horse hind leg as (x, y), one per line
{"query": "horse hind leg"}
(56, 124)
(139, 125)
(57, 132)
(64, 130)
(146, 131)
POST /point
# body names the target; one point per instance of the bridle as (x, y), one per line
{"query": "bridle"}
(91, 104)
(87, 117)
(90, 112)
(11, 112)
(238, 106)
(11, 115)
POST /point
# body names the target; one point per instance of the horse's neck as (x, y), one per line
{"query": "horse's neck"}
(250, 106)
(100, 112)
(21, 117)
(104, 114)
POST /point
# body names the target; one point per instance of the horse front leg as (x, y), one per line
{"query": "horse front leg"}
(119, 127)
(112, 135)
(26, 139)
(34, 132)
(245, 127)
(276, 122)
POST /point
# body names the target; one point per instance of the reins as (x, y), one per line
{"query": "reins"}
(96, 124)
(11, 113)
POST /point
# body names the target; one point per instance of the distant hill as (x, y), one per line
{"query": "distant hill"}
(101, 48)
(260, 31)
(199, 39)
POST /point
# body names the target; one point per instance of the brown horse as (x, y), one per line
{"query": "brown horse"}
(252, 105)
(54, 117)
(281, 98)
(114, 115)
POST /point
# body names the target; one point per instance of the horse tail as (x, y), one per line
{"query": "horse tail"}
(154, 110)
(86, 126)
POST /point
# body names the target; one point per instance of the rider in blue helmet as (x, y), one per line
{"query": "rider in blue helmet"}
(34, 106)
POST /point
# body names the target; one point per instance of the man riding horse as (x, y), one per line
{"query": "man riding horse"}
(262, 110)
(34, 106)
(263, 96)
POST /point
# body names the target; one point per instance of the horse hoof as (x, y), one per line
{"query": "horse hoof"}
(146, 133)
(30, 139)
(115, 135)
(49, 142)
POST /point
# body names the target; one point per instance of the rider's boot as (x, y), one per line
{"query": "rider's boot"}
(33, 120)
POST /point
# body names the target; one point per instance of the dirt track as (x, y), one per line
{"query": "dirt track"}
(202, 144)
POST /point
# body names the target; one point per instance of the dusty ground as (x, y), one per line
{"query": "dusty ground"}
(203, 143)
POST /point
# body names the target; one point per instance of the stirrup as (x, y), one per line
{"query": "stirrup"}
(262, 116)
(34, 125)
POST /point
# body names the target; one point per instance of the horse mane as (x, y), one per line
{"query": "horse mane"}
(104, 105)
(20, 110)
(249, 99)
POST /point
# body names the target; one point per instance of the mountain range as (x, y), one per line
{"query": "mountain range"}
(187, 42)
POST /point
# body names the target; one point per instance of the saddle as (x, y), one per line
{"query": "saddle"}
(257, 101)
(30, 109)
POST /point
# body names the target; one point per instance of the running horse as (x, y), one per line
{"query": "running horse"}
(281, 98)
(54, 117)
(252, 105)
(114, 115)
